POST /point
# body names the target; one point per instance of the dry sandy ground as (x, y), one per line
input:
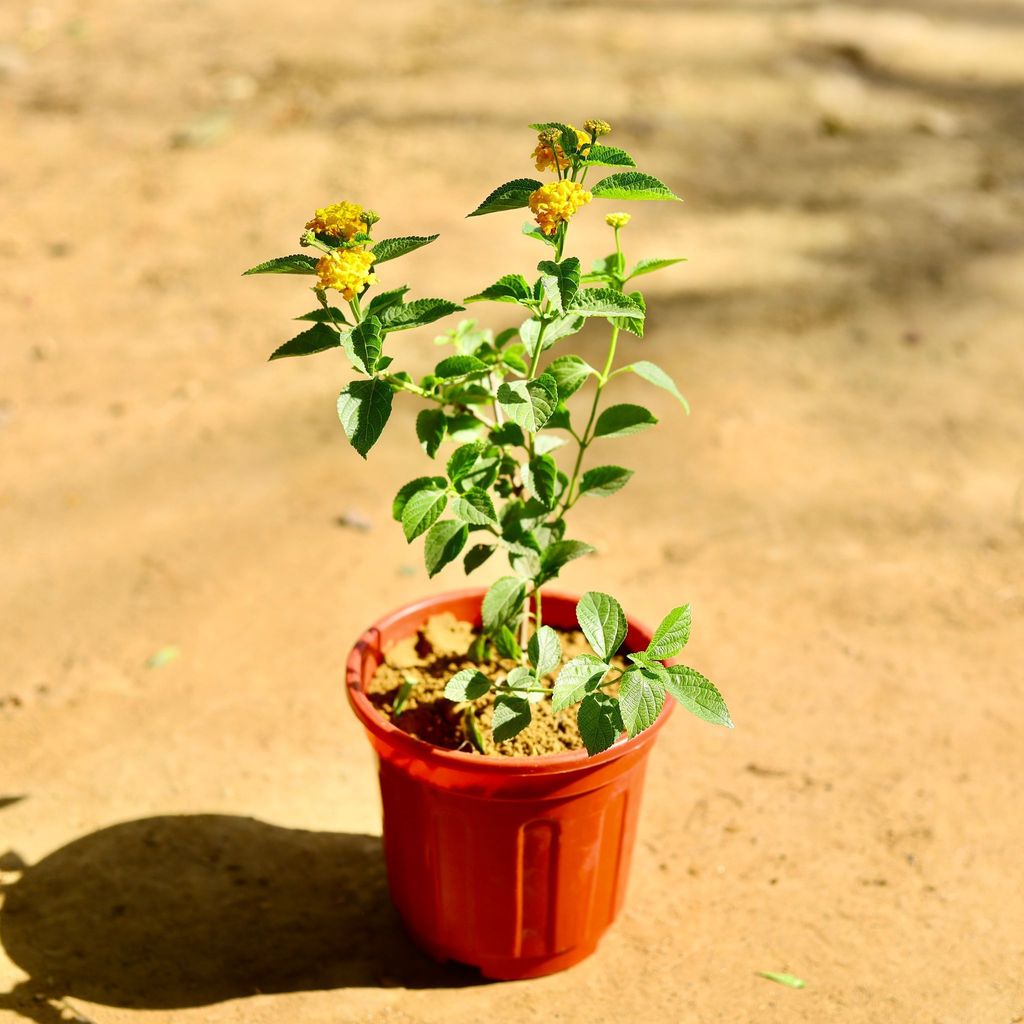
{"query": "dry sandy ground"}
(845, 507)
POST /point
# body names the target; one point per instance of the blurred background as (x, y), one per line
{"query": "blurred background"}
(189, 543)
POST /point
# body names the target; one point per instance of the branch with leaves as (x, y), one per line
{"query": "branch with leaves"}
(503, 488)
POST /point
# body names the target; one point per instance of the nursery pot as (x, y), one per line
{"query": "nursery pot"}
(515, 865)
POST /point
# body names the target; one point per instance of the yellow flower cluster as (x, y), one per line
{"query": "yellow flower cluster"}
(617, 220)
(550, 154)
(347, 270)
(339, 220)
(555, 203)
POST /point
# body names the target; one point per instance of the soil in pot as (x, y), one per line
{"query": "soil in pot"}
(430, 658)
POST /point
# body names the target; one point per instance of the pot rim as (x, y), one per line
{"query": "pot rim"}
(386, 731)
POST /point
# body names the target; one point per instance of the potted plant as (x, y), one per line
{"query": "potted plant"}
(512, 724)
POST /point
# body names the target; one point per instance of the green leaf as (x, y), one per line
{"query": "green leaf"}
(513, 195)
(599, 722)
(508, 434)
(632, 185)
(641, 698)
(541, 479)
(658, 377)
(510, 288)
(391, 248)
(604, 480)
(385, 300)
(435, 483)
(577, 678)
(408, 685)
(511, 716)
(421, 511)
(364, 407)
(672, 635)
(530, 403)
(559, 553)
(366, 341)
(531, 230)
(791, 980)
(431, 425)
(608, 156)
(603, 622)
(459, 366)
(502, 603)
(544, 443)
(606, 302)
(544, 651)
(474, 462)
(445, 540)
(560, 281)
(650, 266)
(698, 695)
(569, 372)
(554, 330)
(417, 313)
(621, 420)
(633, 324)
(522, 680)
(469, 684)
(476, 556)
(505, 643)
(318, 338)
(297, 264)
(330, 315)
(476, 508)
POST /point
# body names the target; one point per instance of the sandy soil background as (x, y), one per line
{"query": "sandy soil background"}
(844, 508)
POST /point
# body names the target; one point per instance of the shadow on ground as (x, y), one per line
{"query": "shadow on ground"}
(183, 911)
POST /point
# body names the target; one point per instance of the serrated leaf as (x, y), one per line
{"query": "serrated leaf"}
(459, 366)
(603, 622)
(508, 434)
(641, 698)
(560, 552)
(506, 644)
(633, 324)
(607, 156)
(698, 695)
(599, 722)
(658, 377)
(544, 651)
(632, 185)
(365, 342)
(330, 315)
(437, 483)
(570, 373)
(511, 716)
(431, 426)
(544, 443)
(417, 313)
(522, 680)
(503, 603)
(445, 539)
(318, 338)
(476, 556)
(469, 684)
(512, 195)
(421, 511)
(560, 281)
(531, 230)
(607, 302)
(604, 480)
(364, 407)
(529, 403)
(299, 263)
(622, 420)
(385, 300)
(476, 508)
(509, 288)
(541, 479)
(672, 635)
(553, 330)
(577, 678)
(391, 248)
(651, 265)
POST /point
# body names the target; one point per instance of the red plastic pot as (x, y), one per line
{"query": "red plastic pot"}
(515, 865)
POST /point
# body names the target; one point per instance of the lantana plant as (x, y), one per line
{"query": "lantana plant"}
(503, 400)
